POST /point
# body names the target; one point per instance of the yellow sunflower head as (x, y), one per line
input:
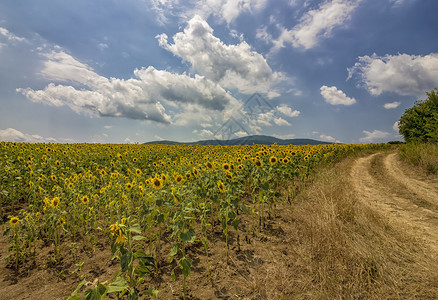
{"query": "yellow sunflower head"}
(85, 200)
(14, 221)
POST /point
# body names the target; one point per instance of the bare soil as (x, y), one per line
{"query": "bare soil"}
(397, 192)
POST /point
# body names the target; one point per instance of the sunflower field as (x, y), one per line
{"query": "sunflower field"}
(148, 204)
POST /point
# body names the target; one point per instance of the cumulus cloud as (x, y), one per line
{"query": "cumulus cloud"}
(14, 135)
(224, 10)
(336, 97)
(327, 138)
(374, 136)
(287, 111)
(391, 105)
(141, 98)
(232, 66)
(395, 126)
(406, 75)
(316, 24)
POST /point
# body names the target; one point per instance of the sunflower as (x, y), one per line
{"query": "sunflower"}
(157, 183)
(273, 160)
(258, 163)
(221, 186)
(57, 163)
(226, 166)
(138, 171)
(14, 221)
(229, 175)
(240, 167)
(53, 177)
(179, 179)
(55, 202)
(134, 159)
(128, 185)
(209, 165)
(120, 237)
(85, 200)
(195, 172)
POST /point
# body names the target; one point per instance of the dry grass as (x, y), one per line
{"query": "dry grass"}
(424, 156)
(344, 250)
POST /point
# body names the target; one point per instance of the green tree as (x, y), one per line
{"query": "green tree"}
(419, 124)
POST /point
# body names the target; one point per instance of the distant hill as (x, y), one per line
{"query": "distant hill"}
(247, 140)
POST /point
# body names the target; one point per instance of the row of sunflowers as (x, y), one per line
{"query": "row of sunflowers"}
(132, 195)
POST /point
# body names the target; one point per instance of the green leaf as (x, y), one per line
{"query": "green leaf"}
(118, 285)
(185, 264)
(147, 261)
(189, 236)
(80, 285)
(135, 228)
(139, 238)
(75, 297)
(235, 223)
(160, 218)
(172, 274)
(141, 270)
(98, 293)
(174, 251)
(133, 295)
(153, 293)
(244, 209)
(126, 260)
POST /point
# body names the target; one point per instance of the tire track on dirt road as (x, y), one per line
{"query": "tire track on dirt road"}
(396, 195)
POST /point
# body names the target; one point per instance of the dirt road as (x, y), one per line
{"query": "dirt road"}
(388, 186)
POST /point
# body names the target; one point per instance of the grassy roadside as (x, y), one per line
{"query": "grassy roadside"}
(424, 156)
(345, 250)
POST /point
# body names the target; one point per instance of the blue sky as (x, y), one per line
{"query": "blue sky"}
(113, 71)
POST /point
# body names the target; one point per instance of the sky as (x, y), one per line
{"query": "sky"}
(133, 71)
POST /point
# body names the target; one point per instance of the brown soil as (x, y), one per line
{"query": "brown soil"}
(390, 187)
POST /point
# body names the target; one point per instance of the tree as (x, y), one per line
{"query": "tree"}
(419, 124)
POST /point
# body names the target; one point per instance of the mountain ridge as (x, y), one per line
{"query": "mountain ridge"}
(247, 140)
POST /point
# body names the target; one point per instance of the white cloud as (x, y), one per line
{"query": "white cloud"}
(281, 122)
(223, 10)
(374, 136)
(232, 66)
(336, 97)
(10, 36)
(287, 111)
(139, 98)
(102, 46)
(406, 75)
(108, 126)
(317, 24)
(391, 105)
(241, 133)
(327, 138)
(14, 135)
(264, 35)
(395, 126)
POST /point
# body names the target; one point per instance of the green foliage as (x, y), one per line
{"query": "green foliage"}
(419, 124)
